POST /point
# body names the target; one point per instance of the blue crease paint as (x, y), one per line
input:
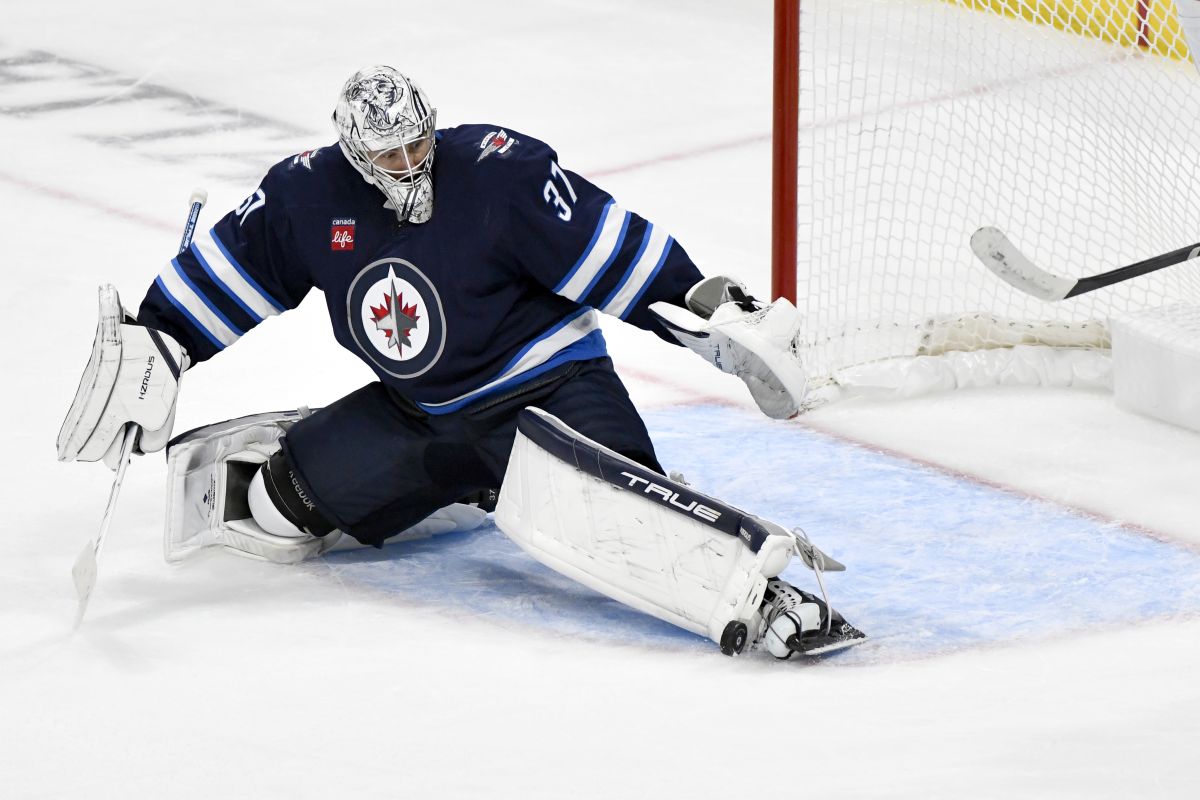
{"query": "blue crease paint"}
(936, 564)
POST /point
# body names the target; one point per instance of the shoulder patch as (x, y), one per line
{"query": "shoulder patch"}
(498, 142)
(305, 159)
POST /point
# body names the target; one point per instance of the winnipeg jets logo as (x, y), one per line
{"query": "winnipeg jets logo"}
(305, 159)
(390, 312)
(498, 142)
(396, 318)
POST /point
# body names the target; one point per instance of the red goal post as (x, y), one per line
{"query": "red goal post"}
(784, 148)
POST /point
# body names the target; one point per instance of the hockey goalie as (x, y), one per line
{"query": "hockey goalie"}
(467, 269)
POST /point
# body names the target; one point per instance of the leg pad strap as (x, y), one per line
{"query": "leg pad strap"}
(289, 498)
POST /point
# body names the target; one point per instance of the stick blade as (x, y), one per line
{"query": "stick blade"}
(84, 574)
(1002, 257)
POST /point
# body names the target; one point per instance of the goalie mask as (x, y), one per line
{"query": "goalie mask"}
(385, 127)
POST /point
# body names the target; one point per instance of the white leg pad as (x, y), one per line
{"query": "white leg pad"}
(216, 496)
(638, 537)
(209, 473)
(246, 537)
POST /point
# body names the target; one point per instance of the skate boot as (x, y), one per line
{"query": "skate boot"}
(798, 622)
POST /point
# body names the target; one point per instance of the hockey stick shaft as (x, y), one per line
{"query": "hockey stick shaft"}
(87, 563)
(196, 202)
(1001, 256)
(1152, 264)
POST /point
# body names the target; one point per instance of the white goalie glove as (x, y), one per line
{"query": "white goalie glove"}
(132, 377)
(739, 335)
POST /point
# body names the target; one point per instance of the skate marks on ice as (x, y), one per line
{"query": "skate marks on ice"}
(127, 112)
(935, 564)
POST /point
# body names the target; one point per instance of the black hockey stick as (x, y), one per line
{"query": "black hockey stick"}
(1002, 257)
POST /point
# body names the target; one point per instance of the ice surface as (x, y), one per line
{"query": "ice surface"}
(938, 563)
(1024, 561)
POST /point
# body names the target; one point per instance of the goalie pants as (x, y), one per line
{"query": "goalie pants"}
(374, 463)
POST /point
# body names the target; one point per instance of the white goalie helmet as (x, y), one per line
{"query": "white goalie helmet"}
(385, 127)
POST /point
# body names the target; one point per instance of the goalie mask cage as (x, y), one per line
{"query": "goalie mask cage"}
(902, 126)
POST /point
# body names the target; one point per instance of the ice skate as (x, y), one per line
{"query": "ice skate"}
(795, 621)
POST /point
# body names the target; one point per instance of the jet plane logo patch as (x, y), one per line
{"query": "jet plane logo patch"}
(305, 159)
(498, 142)
(396, 318)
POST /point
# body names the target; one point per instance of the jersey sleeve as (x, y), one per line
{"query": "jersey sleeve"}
(234, 276)
(577, 241)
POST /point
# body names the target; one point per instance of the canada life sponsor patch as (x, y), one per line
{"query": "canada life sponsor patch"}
(498, 142)
(396, 318)
(341, 234)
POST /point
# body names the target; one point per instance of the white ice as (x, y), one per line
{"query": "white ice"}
(363, 678)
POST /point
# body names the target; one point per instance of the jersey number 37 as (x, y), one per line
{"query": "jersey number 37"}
(554, 197)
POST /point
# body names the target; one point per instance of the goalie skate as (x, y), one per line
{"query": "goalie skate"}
(799, 622)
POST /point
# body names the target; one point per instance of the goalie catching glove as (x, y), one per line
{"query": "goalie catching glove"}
(131, 378)
(739, 335)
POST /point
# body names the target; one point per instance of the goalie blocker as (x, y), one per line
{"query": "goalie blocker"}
(659, 546)
(132, 377)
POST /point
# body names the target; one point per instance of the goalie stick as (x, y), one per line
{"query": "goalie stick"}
(87, 562)
(1001, 256)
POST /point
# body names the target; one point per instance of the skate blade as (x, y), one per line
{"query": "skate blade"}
(823, 645)
(832, 647)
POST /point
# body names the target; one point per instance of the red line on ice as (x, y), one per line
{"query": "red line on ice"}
(71, 197)
(698, 152)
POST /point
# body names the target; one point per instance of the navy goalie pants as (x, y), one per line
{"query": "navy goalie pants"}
(375, 464)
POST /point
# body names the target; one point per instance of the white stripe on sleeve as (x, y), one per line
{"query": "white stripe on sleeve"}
(641, 273)
(247, 295)
(195, 305)
(599, 255)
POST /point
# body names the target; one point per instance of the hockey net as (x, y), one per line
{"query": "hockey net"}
(1072, 125)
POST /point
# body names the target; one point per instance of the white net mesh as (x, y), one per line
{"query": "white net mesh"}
(923, 120)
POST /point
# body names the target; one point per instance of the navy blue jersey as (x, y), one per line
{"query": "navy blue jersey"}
(502, 284)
